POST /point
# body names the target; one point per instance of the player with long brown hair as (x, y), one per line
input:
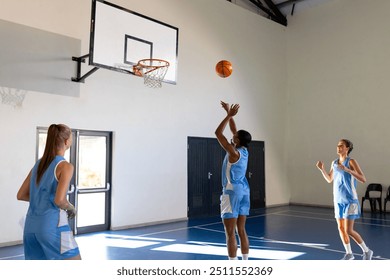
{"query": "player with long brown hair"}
(47, 234)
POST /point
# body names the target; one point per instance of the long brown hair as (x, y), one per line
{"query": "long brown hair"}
(56, 136)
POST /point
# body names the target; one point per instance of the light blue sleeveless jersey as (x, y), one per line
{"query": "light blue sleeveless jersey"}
(344, 184)
(47, 234)
(42, 213)
(233, 174)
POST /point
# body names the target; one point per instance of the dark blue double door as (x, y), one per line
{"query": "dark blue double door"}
(204, 165)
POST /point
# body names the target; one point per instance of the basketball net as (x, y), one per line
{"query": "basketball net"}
(153, 70)
(12, 96)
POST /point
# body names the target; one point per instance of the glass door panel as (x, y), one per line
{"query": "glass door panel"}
(93, 195)
(90, 209)
(92, 162)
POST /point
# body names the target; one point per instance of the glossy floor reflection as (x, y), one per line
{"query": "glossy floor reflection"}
(277, 233)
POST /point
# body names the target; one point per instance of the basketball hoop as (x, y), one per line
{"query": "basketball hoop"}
(153, 70)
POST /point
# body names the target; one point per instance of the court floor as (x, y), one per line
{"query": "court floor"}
(276, 233)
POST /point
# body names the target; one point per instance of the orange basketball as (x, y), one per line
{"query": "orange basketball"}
(224, 68)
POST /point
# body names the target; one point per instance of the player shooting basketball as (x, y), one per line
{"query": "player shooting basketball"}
(235, 198)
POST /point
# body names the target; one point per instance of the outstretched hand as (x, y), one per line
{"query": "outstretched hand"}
(225, 106)
(230, 110)
(233, 110)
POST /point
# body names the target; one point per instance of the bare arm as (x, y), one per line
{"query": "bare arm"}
(228, 147)
(24, 190)
(232, 126)
(327, 176)
(355, 171)
(232, 123)
(64, 174)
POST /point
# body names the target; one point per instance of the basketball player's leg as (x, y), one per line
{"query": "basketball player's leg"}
(241, 222)
(367, 252)
(230, 208)
(342, 212)
(342, 227)
(341, 215)
(351, 231)
(352, 212)
(244, 241)
(230, 225)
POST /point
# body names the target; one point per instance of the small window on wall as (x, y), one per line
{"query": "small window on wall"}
(41, 142)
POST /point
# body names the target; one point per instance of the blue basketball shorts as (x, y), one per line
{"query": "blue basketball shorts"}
(234, 205)
(348, 211)
(57, 243)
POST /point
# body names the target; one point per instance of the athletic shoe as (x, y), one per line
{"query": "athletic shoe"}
(348, 257)
(368, 255)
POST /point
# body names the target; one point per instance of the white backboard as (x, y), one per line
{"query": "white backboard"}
(121, 37)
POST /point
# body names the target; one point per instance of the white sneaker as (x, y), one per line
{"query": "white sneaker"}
(368, 255)
(348, 257)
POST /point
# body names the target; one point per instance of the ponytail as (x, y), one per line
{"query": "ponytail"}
(56, 136)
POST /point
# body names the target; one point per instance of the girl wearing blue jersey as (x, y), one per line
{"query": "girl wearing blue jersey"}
(47, 235)
(344, 173)
(235, 192)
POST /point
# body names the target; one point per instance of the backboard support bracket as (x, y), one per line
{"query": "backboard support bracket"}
(79, 78)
